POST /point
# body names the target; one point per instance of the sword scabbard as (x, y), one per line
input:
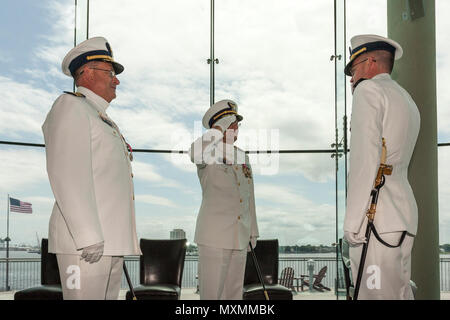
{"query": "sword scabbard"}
(384, 169)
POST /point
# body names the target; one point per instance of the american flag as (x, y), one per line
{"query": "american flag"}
(19, 206)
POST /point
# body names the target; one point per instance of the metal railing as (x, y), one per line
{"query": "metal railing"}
(26, 273)
(444, 267)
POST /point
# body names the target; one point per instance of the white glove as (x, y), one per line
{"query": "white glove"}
(225, 122)
(93, 253)
(253, 242)
(353, 239)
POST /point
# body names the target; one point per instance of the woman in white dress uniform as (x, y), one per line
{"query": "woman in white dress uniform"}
(226, 222)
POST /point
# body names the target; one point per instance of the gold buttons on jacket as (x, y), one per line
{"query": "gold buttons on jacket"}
(241, 200)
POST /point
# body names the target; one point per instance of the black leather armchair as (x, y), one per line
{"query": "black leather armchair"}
(161, 270)
(266, 252)
(50, 288)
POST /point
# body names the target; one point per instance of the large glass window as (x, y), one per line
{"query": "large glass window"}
(277, 69)
(274, 60)
(165, 90)
(165, 86)
(35, 37)
(24, 177)
(363, 17)
(443, 115)
(297, 204)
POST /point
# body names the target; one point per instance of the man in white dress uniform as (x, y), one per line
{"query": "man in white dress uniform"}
(226, 222)
(381, 109)
(92, 225)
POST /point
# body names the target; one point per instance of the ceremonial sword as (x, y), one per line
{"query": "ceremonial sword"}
(384, 169)
(258, 271)
(125, 270)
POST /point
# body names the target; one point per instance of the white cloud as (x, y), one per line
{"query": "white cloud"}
(444, 195)
(151, 199)
(60, 40)
(443, 69)
(152, 227)
(23, 176)
(162, 86)
(25, 103)
(43, 201)
(148, 173)
(262, 67)
(26, 108)
(21, 169)
(291, 217)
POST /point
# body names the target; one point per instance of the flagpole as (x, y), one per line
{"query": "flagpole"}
(7, 246)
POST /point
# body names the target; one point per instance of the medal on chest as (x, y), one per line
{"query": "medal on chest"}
(114, 126)
(247, 171)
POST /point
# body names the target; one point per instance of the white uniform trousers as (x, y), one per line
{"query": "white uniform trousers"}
(82, 280)
(387, 271)
(221, 273)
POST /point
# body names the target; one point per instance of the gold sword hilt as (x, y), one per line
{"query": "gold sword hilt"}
(383, 170)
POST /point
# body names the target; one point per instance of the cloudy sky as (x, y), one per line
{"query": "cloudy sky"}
(274, 61)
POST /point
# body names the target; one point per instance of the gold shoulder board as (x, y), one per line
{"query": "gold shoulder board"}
(76, 94)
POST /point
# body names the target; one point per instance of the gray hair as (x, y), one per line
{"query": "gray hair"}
(80, 71)
(385, 59)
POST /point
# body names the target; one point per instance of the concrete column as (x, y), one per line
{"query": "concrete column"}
(416, 72)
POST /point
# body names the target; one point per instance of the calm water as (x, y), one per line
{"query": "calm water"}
(19, 254)
(24, 254)
(27, 274)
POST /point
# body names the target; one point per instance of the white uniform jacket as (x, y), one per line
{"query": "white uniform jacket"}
(91, 178)
(227, 216)
(382, 108)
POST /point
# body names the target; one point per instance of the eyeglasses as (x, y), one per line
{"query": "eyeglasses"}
(112, 73)
(352, 70)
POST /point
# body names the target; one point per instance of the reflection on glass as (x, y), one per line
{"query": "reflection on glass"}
(442, 70)
(297, 204)
(275, 63)
(363, 17)
(165, 85)
(36, 36)
(341, 116)
(23, 175)
(443, 117)
(444, 195)
(278, 70)
(341, 130)
(81, 20)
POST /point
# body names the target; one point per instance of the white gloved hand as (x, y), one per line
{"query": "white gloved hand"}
(93, 253)
(225, 122)
(353, 239)
(253, 242)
